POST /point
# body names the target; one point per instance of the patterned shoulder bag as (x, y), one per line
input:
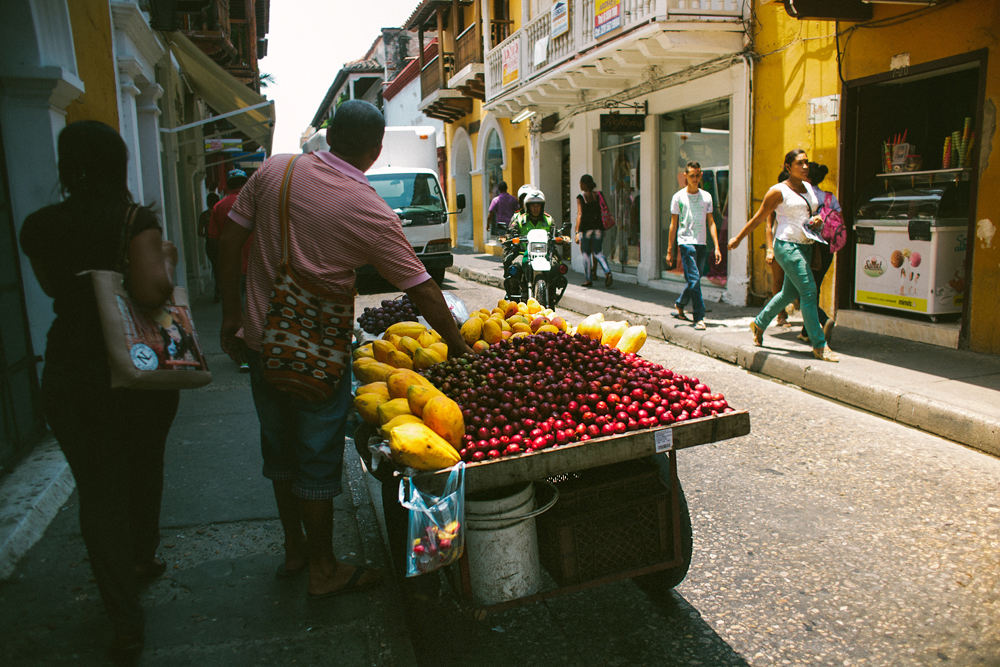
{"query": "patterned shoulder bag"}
(307, 332)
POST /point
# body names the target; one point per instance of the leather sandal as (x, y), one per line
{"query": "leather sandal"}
(826, 354)
(758, 334)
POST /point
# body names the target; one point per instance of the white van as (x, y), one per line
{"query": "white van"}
(405, 176)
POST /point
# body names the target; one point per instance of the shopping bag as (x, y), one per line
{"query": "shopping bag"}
(606, 218)
(436, 532)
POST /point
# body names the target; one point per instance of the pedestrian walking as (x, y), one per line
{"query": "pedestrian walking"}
(795, 203)
(590, 231)
(503, 206)
(336, 223)
(235, 180)
(777, 273)
(211, 242)
(690, 217)
(817, 173)
(113, 439)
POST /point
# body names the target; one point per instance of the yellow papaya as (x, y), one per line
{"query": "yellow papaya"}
(399, 359)
(408, 345)
(472, 330)
(398, 421)
(367, 406)
(591, 326)
(611, 332)
(363, 351)
(373, 388)
(491, 332)
(400, 380)
(426, 339)
(425, 357)
(435, 335)
(418, 395)
(441, 349)
(411, 329)
(382, 348)
(417, 446)
(443, 416)
(632, 340)
(391, 409)
(375, 371)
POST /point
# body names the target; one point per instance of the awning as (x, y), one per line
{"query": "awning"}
(223, 92)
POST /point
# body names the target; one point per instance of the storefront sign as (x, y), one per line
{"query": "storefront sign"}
(511, 59)
(231, 145)
(541, 51)
(560, 19)
(607, 16)
(824, 109)
(616, 122)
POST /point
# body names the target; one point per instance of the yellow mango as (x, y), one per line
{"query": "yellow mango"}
(504, 326)
(591, 326)
(502, 304)
(611, 332)
(491, 332)
(399, 359)
(363, 351)
(443, 416)
(520, 334)
(441, 349)
(417, 446)
(418, 395)
(426, 339)
(472, 330)
(367, 406)
(400, 380)
(547, 327)
(382, 348)
(391, 409)
(425, 357)
(534, 306)
(398, 421)
(480, 346)
(411, 329)
(408, 345)
(373, 388)
(521, 327)
(632, 340)
(484, 310)
(376, 371)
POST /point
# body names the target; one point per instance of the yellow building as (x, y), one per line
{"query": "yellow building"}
(878, 92)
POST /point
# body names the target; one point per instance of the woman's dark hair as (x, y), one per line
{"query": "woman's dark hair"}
(817, 172)
(587, 181)
(791, 155)
(93, 163)
(783, 176)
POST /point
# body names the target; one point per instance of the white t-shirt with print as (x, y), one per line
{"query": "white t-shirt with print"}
(691, 210)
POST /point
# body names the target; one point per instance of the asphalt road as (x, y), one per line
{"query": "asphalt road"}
(828, 536)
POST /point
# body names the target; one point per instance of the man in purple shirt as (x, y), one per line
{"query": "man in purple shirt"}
(502, 208)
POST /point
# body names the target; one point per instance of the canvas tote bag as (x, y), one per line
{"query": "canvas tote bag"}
(306, 342)
(156, 349)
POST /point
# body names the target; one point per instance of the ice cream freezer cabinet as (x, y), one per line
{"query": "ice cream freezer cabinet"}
(910, 239)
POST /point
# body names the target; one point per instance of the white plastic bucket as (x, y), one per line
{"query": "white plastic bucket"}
(502, 544)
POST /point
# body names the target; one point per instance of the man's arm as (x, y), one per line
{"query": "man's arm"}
(230, 262)
(429, 300)
(671, 237)
(715, 238)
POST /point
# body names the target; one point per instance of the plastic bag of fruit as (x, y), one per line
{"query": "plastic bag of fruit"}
(436, 533)
(457, 308)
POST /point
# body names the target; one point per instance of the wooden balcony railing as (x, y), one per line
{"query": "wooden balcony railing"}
(430, 78)
(499, 30)
(468, 48)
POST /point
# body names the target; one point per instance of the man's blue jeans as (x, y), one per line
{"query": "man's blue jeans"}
(693, 258)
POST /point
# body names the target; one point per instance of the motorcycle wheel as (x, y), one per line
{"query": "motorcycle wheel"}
(542, 292)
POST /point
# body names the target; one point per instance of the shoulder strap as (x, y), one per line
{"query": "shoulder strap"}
(286, 183)
(804, 198)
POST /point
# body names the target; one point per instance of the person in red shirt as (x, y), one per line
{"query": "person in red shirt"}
(211, 242)
(235, 180)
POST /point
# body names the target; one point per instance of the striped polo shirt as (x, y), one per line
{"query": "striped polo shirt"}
(337, 223)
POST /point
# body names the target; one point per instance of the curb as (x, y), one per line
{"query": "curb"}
(29, 499)
(967, 427)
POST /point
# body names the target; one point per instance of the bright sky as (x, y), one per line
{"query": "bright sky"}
(308, 42)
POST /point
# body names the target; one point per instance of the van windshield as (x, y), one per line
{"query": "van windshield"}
(409, 193)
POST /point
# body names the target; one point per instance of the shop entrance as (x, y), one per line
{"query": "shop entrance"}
(620, 185)
(909, 192)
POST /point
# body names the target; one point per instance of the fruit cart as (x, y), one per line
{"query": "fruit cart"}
(646, 524)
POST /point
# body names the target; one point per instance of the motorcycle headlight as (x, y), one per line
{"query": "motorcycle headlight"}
(537, 248)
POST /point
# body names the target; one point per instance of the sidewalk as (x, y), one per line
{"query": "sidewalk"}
(219, 602)
(951, 393)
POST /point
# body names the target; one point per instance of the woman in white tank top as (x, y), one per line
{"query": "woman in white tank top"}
(795, 205)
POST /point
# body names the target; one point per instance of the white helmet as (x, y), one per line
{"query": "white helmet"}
(525, 189)
(535, 197)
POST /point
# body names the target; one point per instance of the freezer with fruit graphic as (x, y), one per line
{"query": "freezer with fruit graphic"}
(910, 236)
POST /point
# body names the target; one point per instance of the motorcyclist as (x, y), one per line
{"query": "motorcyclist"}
(522, 192)
(533, 217)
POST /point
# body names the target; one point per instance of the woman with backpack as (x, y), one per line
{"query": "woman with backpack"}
(830, 208)
(590, 231)
(796, 204)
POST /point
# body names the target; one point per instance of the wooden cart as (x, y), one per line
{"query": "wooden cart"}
(604, 451)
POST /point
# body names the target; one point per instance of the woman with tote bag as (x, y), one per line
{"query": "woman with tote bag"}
(113, 439)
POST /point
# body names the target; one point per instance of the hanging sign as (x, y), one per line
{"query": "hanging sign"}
(626, 124)
(510, 56)
(559, 15)
(607, 16)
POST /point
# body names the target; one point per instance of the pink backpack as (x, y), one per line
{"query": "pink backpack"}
(834, 230)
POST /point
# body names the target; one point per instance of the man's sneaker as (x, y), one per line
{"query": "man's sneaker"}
(244, 367)
(700, 325)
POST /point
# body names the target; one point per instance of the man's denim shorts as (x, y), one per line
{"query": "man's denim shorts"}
(302, 441)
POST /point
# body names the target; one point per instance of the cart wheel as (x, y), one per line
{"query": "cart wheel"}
(661, 582)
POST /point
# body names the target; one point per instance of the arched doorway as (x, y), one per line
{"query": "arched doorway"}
(491, 160)
(461, 171)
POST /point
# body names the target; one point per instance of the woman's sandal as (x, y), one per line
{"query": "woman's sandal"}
(826, 354)
(608, 279)
(285, 572)
(758, 334)
(587, 284)
(146, 574)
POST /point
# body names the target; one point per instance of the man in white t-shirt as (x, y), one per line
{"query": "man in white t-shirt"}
(690, 215)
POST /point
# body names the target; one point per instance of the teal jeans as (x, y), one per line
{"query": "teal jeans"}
(795, 259)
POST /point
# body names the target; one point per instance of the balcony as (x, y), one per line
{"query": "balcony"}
(636, 41)
(445, 104)
(470, 76)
